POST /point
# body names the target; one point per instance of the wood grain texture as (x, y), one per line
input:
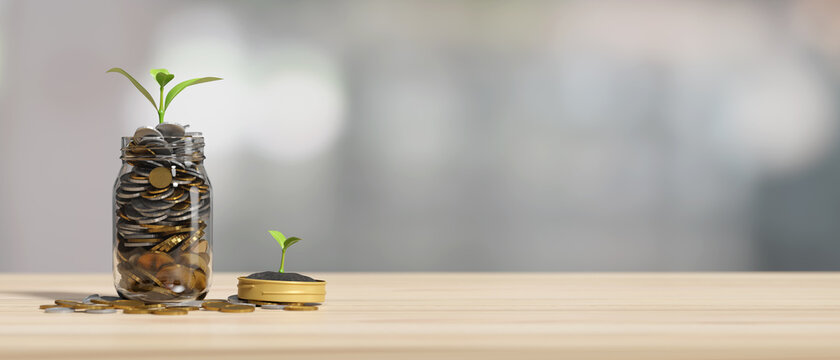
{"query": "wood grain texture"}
(453, 316)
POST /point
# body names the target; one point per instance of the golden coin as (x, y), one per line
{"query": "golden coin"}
(193, 238)
(128, 304)
(193, 260)
(182, 307)
(155, 306)
(171, 229)
(121, 215)
(170, 312)
(199, 280)
(148, 275)
(206, 257)
(132, 276)
(92, 306)
(181, 206)
(157, 191)
(160, 177)
(237, 309)
(42, 307)
(175, 274)
(140, 150)
(121, 256)
(257, 302)
(153, 260)
(178, 195)
(137, 311)
(67, 303)
(300, 308)
(159, 196)
(214, 305)
(142, 241)
(162, 290)
(201, 246)
(101, 301)
(170, 242)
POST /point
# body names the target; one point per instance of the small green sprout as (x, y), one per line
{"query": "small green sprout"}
(284, 244)
(163, 77)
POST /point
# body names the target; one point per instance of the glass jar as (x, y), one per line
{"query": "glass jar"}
(163, 219)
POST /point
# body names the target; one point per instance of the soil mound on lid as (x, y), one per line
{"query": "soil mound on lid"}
(284, 276)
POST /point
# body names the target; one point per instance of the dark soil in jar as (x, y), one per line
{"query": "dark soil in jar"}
(278, 276)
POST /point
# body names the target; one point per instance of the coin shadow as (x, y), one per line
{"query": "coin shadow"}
(53, 295)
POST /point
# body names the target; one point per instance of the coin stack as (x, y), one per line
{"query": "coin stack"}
(162, 206)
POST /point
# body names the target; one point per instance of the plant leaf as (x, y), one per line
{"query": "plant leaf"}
(136, 84)
(181, 86)
(281, 239)
(291, 241)
(162, 76)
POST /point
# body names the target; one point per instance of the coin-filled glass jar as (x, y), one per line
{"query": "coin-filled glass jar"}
(163, 218)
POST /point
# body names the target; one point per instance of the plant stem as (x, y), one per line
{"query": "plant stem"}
(283, 261)
(160, 107)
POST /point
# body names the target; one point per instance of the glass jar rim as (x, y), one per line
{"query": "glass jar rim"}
(189, 147)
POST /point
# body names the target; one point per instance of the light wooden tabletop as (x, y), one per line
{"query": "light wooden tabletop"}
(453, 316)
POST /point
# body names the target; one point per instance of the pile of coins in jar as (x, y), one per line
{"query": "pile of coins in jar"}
(95, 304)
(162, 207)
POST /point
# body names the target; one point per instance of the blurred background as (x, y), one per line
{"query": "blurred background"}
(439, 135)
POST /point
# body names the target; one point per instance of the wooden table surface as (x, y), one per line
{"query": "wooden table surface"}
(453, 316)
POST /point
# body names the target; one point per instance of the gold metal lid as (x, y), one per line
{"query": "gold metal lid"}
(282, 291)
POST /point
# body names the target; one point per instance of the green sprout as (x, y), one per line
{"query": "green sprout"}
(163, 77)
(284, 244)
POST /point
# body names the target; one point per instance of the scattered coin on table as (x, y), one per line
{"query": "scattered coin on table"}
(101, 311)
(137, 311)
(95, 304)
(214, 305)
(260, 303)
(84, 306)
(273, 307)
(237, 308)
(59, 310)
(128, 304)
(196, 303)
(170, 312)
(67, 303)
